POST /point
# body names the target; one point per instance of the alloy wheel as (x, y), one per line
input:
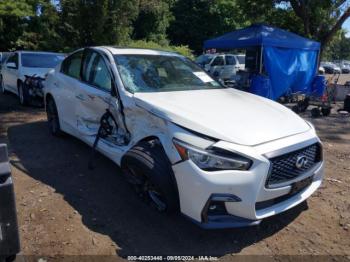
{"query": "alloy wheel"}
(145, 188)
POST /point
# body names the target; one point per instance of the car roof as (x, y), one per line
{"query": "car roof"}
(38, 52)
(137, 51)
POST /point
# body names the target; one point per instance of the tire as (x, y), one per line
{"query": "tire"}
(53, 118)
(296, 109)
(148, 169)
(326, 111)
(2, 86)
(315, 112)
(5, 258)
(22, 95)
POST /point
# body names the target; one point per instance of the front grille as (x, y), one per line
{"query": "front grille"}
(283, 168)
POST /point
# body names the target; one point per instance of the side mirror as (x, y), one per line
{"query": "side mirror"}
(11, 65)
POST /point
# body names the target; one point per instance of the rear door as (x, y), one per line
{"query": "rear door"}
(67, 81)
(93, 95)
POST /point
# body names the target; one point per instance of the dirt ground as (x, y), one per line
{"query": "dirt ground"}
(65, 209)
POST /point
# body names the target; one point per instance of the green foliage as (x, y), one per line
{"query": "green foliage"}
(152, 21)
(183, 50)
(338, 48)
(13, 21)
(319, 20)
(198, 20)
(175, 25)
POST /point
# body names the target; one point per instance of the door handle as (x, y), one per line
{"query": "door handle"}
(80, 97)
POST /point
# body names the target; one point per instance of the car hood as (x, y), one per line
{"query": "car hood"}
(225, 114)
(41, 72)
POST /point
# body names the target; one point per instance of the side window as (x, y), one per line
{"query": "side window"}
(71, 65)
(13, 59)
(95, 72)
(218, 61)
(230, 60)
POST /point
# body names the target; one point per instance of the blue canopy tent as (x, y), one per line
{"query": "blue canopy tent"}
(290, 61)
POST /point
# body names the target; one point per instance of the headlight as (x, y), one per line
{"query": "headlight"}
(211, 161)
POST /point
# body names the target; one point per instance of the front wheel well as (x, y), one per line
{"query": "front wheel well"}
(48, 97)
(149, 153)
(149, 139)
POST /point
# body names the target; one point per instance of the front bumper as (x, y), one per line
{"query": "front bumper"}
(246, 188)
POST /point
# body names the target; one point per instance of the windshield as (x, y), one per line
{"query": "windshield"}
(41, 60)
(162, 73)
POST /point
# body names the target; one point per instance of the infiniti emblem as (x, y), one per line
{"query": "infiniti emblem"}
(301, 162)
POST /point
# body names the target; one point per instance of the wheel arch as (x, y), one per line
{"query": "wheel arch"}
(19, 81)
(48, 96)
(157, 139)
(163, 141)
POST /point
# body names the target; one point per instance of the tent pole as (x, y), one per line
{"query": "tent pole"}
(261, 59)
(318, 60)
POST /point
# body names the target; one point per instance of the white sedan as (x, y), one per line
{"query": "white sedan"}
(223, 157)
(26, 63)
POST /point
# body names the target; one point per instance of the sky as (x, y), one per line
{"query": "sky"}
(346, 26)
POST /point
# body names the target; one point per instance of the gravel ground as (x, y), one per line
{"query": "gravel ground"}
(65, 209)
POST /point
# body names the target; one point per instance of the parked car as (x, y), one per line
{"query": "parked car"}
(221, 66)
(223, 157)
(321, 70)
(331, 68)
(344, 66)
(26, 63)
(9, 238)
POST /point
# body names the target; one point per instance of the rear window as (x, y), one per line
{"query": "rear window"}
(41, 60)
(230, 60)
(241, 59)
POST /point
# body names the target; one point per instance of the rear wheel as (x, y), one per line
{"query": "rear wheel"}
(52, 117)
(147, 168)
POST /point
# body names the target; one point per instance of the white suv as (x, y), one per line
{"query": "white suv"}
(223, 157)
(222, 66)
(25, 63)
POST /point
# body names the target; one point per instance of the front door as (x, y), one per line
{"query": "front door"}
(93, 94)
(10, 73)
(217, 66)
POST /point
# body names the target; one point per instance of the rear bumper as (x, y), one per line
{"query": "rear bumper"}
(247, 190)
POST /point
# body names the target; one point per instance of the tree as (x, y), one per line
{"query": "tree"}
(338, 48)
(198, 20)
(153, 21)
(13, 21)
(319, 20)
(97, 22)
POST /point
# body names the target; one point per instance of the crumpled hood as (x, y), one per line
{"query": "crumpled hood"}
(225, 114)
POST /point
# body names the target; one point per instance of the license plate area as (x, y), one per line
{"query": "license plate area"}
(300, 185)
